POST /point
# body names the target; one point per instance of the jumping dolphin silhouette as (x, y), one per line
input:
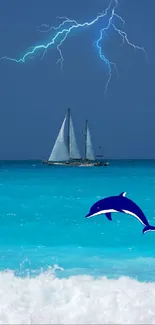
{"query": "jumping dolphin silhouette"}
(119, 203)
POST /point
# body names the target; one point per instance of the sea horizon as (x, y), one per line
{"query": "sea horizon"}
(104, 159)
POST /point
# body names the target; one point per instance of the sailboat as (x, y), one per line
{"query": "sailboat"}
(68, 153)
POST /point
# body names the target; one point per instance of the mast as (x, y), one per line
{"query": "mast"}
(68, 137)
(85, 152)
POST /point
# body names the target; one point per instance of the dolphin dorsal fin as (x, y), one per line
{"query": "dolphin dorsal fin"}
(123, 194)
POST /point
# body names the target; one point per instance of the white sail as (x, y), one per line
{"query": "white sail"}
(60, 152)
(89, 148)
(74, 151)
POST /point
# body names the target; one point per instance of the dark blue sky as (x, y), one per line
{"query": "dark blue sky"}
(34, 96)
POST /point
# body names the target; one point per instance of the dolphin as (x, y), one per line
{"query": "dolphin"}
(119, 203)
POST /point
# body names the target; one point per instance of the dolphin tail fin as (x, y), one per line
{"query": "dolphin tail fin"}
(148, 228)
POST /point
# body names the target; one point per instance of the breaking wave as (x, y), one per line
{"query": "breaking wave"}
(47, 299)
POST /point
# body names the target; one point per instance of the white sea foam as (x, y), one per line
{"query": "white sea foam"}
(47, 299)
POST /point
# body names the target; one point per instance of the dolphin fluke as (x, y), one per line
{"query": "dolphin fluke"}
(148, 228)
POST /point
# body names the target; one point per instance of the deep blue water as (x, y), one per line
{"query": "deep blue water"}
(42, 219)
(56, 266)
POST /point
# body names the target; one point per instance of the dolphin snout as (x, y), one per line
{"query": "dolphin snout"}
(88, 215)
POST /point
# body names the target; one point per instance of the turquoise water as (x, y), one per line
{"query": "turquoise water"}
(45, 237)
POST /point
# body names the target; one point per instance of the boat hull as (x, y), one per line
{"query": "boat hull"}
(77, 163)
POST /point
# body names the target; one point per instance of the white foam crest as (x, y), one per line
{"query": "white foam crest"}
(47, 299)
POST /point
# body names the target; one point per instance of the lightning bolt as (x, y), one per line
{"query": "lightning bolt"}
(62, 31)
(50, 28)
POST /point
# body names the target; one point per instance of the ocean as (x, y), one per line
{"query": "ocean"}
(56, 266)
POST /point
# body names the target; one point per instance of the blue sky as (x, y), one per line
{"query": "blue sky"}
(34, 96)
